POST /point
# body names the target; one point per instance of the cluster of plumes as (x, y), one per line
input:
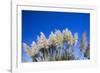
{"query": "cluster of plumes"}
(59, 46)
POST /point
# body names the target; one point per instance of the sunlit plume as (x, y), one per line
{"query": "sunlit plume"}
(83, 42)
(68, 37)
(75, 39)
(59, 38)
(27, 49)
(34, 48)
(52, 39)
(42, 41)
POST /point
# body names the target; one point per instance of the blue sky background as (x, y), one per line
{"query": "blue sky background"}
(34, 22)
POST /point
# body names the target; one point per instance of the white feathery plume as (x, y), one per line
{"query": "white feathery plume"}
(68, 36)
(27, 49)
(75, 39)
(83, 42)
(59, 38)
(65, 34)
(42, 41)
(52, 39)
(34, 48)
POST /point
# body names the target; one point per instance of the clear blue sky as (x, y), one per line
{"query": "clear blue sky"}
(34, 22)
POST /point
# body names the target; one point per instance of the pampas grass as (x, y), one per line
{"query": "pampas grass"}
(59, 46)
